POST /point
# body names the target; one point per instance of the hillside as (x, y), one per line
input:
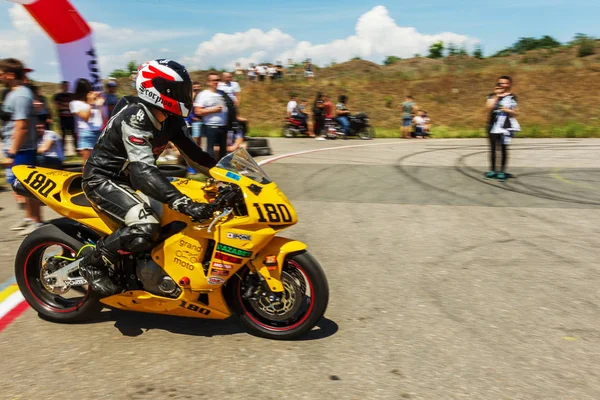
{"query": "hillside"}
(558, 92)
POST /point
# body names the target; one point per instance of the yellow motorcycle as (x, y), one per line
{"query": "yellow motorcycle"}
(231, 264)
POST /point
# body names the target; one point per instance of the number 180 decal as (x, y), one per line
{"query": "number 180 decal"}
(274, 212)
(40, 183)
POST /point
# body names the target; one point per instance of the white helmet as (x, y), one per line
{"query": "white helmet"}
(165, 84)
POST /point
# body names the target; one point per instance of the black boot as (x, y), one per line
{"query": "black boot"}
(94, 269)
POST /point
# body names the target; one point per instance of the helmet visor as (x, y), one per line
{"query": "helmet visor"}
(176, 90)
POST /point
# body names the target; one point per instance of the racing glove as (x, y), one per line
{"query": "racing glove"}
(197, 211)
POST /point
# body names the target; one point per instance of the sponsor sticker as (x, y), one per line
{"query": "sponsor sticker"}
(233, 176)
(219, 272)
(136, 140)
(227, 258)
(231, 235)
(213, 280)
(233, 250)
(222, 266)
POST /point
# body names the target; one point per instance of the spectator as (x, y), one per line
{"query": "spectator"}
(235, 140)
(302, 115)
(110, 99)
(195, 121)
(279, 70)
(20, 135)
(211, 106)
(49, 148)
(40, 105)
(342, 113)
(272, 72)
(67, 126)
(290, 69)
(133, 78)
(291, 106)
(86, 108)
(502, 125)
(239, 72)
(308, 70)
(261, 71)
(252, 73)
(232, 89)
(318, 114)
(328, 115)
(419, 122)
(408, 108)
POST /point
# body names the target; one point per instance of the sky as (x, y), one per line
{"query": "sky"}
(204, 34)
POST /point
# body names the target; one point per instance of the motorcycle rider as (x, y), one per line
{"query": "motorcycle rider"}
(342, 114)
(124, 160)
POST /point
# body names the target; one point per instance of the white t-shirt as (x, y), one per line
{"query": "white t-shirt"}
(291, 107)
(261, 70)
(93, 123)
(272, 71)
(231, 89)
(251, 71)
(419, 121)
(56, 150)
(208, 99)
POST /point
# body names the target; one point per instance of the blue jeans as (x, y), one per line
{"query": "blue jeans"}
(216, 135)
(345, 122)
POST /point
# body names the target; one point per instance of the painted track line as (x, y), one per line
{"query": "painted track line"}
(299, 153)
(13, 304)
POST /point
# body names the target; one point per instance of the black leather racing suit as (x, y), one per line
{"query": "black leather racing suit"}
(123, 161)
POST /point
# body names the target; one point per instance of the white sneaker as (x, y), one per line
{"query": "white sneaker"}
(321, 138)
(22, 224)
(30, 228)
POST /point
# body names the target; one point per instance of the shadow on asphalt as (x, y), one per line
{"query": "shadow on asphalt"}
(135, 324)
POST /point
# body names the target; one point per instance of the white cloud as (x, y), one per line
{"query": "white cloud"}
(376, 36)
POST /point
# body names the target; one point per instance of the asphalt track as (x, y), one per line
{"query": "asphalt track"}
(444, 285)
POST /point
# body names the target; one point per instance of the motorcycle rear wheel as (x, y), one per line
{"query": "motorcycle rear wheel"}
(304, 301)
(74, 305)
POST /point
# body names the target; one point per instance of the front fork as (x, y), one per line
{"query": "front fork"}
(269, 262)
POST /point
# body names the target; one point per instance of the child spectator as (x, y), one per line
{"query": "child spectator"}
(50, 148)
(86, 108)
(419, 122)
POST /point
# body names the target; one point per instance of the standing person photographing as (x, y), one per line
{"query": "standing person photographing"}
(502, 124)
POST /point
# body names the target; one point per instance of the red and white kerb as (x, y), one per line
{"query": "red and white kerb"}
(73, 38)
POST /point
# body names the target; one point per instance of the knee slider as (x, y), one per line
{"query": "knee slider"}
(140, 237)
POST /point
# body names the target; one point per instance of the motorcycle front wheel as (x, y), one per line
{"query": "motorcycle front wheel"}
(288, 131)
(297, 310)
(367, 133)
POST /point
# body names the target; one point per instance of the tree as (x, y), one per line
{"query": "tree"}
(132, 66)
(452, 50)
(389, 60)
(529, 43)
(586, 44)
(463, 51)
(436, 50)
(357, 58)
(478, 52)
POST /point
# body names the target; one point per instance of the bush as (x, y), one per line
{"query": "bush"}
(587, 47)
(389, 60)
